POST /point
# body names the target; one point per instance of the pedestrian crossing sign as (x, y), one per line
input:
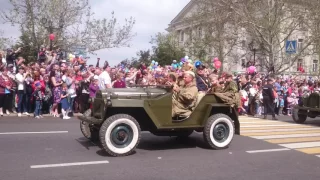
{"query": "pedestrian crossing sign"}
(291, 47)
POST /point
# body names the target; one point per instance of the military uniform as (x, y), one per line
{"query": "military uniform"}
(230, 94)
(216, 89)
(185, 100)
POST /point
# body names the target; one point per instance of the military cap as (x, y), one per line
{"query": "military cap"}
(190, 73)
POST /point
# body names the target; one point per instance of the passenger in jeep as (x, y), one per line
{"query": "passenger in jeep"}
(186, 96)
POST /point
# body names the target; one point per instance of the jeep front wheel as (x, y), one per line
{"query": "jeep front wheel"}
(120, 135)
(218, 131)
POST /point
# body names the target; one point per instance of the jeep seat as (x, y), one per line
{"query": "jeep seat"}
(199, 97)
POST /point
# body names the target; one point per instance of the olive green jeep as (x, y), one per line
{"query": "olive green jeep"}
(118, 116)
(309, 106)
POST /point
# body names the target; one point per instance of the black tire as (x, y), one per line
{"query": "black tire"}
(298, 118)
(116, 144)
(89, 132)
(218, 131)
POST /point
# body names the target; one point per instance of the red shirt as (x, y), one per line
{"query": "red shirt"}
(119, 84)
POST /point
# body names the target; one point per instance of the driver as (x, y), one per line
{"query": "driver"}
(186, 96)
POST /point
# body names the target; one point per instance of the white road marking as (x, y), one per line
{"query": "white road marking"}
(268, 150)
(301, 145)
(68, 164)
(43, 132)
(279, 130)
(285, 136)
(271, 125)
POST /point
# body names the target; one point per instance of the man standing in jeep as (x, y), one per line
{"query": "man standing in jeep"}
(186, 96)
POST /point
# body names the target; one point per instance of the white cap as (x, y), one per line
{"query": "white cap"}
(190, 73)
(95, 77)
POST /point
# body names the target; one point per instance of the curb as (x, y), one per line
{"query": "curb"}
(31, 115)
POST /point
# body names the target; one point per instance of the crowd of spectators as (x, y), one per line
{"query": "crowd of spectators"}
(60, 87)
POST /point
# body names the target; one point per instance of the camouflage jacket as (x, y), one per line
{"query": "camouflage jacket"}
(231, 87)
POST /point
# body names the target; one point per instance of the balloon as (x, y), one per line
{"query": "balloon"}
(186, 57)
(183, 59)
(190, 61)
(175, 66)
(156, 63)
(52, 37)
(252, 69)
(215, 59)
(153, 61)
(174, 61)
(217, 64)
(181, 63)
(197, 64)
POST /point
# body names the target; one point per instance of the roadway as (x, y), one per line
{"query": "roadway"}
(52, 148)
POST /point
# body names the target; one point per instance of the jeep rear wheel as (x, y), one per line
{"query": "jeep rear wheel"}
(120, 135)
(89, 132)
(218, 131)
(298, 118)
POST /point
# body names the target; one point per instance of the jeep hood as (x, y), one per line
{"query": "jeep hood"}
(129, 93)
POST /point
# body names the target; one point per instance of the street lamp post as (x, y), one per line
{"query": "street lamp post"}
(253, 47)
(50, 27)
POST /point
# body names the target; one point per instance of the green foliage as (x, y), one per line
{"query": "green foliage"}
(142, 57)
(71, 21)
(166, 49)
(28, 50)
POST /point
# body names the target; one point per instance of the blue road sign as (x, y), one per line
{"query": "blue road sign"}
(291, 47)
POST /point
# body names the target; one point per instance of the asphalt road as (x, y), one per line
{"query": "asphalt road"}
(158, 158)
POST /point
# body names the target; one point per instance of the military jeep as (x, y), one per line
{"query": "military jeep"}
(309, 106)
(118, 116)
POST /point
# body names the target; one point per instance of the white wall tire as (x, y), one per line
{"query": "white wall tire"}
(219, 131)
(120, 134)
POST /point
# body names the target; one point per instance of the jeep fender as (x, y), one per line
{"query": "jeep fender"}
(232, 112)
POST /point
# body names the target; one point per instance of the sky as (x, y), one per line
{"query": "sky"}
(152, 16)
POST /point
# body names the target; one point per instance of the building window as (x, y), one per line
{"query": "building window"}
(199, 32)
(315, 66)
(181, 36)
(299, 64)
(243, 43)
(300, 44)
(243, 63)
(190, 34)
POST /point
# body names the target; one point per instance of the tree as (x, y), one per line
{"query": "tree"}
(271, 23)
(4, 42)
(213, 29)
(166, 48)
(28, 52)
(142, 57)
(74, 22)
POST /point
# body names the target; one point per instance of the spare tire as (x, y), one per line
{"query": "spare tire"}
(298, 117)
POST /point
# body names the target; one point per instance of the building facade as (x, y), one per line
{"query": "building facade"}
(237, 60)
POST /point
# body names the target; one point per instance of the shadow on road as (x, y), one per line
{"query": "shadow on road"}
(155, 143)
(168, 143)
(87, 143)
